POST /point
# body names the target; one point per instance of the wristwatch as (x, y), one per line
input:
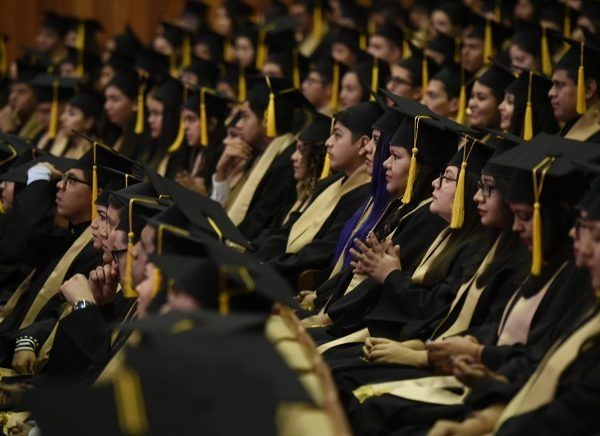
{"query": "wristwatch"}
(82, 304)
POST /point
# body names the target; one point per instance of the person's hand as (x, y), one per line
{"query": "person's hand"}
(76, 289)
(445, 428)
(468, 371)
(319, 320)
(23, 361)
(440, 353)
(236, 150)
(20, 429)
(103, 282)
(385, 351)
(196, 184)
(55, 174)
(375, 259)
(306, 299)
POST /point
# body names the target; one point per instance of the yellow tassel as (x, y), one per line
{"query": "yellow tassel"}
(318, 21)
(227, 51)
(203, 121)
(528, 123)
(129, 402)
(156, 282)
(462, 105)
(581, 106)
(326, 167)
(546, 58)
(242, 85)
(2, 210)
(139, 120)
(173, 71)
(186, 52)
(296, 69)
(335, 87)
(176, 145)
(53, 128)
(406, 51)
(128, 290)
(488, 44)
(362, 42)
(412, 176)
(424, 74)
(80, 46)
(94, 190)
(457, 49)
(458, 205)
(374, 78)
(567, 22)
(537, 255)
(223, 303)
(3, 57)
(270, 116)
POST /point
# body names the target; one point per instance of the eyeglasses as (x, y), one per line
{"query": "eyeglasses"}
(116, 254)
(443, 177)
(485, 188)
(70, 179)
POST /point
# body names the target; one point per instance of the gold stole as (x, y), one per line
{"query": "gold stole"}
(310, 222)
(16, 296)
(299, 206)
(519, 312)
(163, 165)
(541, 387)
(463, 319)
(587, 125)
(52, 285)
(42, 144)
(47, 345)
(32, 127)
(59, 145)
(435, 249)
(119, 144)
(239, 207)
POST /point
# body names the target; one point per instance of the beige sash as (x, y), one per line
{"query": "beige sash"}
(32, 127)
(239, 207)
(463, 319)
(52, 285)
(516, 320)
(541, 387)
(16, 296)
(47, 345)
(432, 390)
(299, 206)
(310, 222)
(435, 249)
(42, 144)
(587, 125)
(119, 144)
(59, 145)
(163, 165)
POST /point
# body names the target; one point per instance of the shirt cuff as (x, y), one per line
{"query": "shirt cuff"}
(28, 343)
(220, 190)
(37, 173)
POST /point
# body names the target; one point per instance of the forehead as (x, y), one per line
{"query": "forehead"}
(75, 172)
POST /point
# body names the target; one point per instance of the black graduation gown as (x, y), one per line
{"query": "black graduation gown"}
(318, 254)
(12, 272)
(273, 197)
(595, 138)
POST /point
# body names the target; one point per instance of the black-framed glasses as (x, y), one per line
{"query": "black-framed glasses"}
(116, 254)
(485, 188)
(69, 178)
(443, 177)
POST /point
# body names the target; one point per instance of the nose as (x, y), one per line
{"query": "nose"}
(329, 142)
(517, 227)
(60, 185)
(478, 197)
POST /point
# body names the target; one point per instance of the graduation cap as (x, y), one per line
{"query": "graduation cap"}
(420, 66)
(276, 98)
(388, 123)
(491, 32)
(589, 202)
(315, 134)
(360, 117)
(215, 43)
(208, 103)
(85, 31)
(112, 180)
(242, 79)
(455, 80)
(207, 72)
(456, 11)
(373, 73)
(292, 63)
(18, 173)
(391, 32)
(196, 9)
(29, 67)
(446, 46)
(90, 103)
(535, 88)
(14, 151)
(133, 85)
(543, 165)
(153, 65)
(239, 10)
(178, 36)
(502, 9)
(356, 13)
(533, 39)
(55, 22)
(85, 62)
(127, 44)
(581, 59)
(348, 37)
(501, 142)
(53, 89)
(471, 157)
(497, 77)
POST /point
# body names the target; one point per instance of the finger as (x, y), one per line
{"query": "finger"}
(107, 276)
(360, 245)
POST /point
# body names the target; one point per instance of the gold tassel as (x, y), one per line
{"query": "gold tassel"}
(186, 52)
(546, 58)
(537, 255)
(296, 69)
(261, 48)
(458, 205)
(374, 78)
(173, 71)
(424, 74)
(335, 87)
(94, 190)
(53, 128)
(581, 106)
(129, 402)
(567, 22)
(406, 51)
(412, 176)
(488, 43)
(457, 55)
(80, 46)
(362, 41)
(2, 210)
(462, 105)
(139, 120)
(326, 167)
(3, 57)
(528, 123)
(156, 282)
(318, 21)
(128, 290)
(203, 120)
(270, 115)
(227, 51)
(176, 145)
(241, 84)
(223, 303)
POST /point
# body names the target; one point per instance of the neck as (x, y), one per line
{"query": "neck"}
(263, 143)
(74, 222)
(353, 168)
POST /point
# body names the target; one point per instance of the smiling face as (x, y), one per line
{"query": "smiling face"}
(444, 188)
(483, 107)
(523, 222)
(506, 108)
(396, 170)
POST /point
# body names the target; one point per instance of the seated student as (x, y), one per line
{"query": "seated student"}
(528, 89)
(535, 315)
(473, 45)
(354, 294)
(442, 95)
(345, 44)
(264, 136)
(406, 76)
(357, 81)
(50, 36)
(577, 111)
(205, 134)
(309, 241)
(486, 95)
(448, 18)
(386, 43)
(321, 87)
(525, 51)
(56, 253)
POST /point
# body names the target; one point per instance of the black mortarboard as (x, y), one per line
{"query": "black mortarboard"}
(240, 78)
(239, 10)
(373, 73)
(55, 22)
(492, 33)
(447, 46)
(53, 88)
(331, 72)
(18, 174)
(456, 11)
(28, 67)
(170, 93)
(215, 104)
(356, 13)
(206, 71)
(502, 9)
(174, 33)
(127, 82)
(14, 151)
(85, 62)
(391, 32)
(590, 202)
(196, 9)
(346, 36)
(388, 123)
(317, 131)
(501, 142)
(91, 26)
(421, 67)
(88, 102)
(360, 117)
(127, 44)
(497, 78)
(214, 41)
(111, 180)
(154, 64)
(292, 64)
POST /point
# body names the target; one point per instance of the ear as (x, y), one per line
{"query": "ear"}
(328, 91)
(212, 123)
(89, 123)
(417, 93)
(453, 104)
(364, 140)
(591, 88)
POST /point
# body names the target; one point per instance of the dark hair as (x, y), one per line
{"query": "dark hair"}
(350, 123)
(543, 117)
(313, 155)
(171, 118)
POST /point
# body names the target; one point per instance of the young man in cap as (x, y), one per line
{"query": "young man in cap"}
(386, 43)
